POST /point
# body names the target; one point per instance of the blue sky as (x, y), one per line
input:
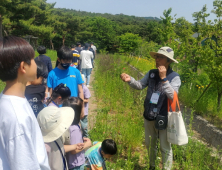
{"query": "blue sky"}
(143, 8)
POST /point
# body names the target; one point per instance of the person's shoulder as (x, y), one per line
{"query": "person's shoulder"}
(16, 109)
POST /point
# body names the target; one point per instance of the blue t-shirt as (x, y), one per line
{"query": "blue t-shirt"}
(71, 77)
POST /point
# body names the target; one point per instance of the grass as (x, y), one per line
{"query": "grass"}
(50, 53)
(189, 91)
(120, 117)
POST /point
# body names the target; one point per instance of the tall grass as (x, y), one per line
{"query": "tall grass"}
(120, 117)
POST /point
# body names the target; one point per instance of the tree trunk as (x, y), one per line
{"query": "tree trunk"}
(219, 101)
(1, 35)
(6, 34)
(51, 45)
(63, 40)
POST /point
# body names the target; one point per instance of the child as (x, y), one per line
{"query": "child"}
(21, 142)
(96, 155)
(43, 58)
(35, 90)
(63, 73)
(86, 63)
(75, 60)
(84, 120)
(59, 94)
(76, 159)
(54, 122)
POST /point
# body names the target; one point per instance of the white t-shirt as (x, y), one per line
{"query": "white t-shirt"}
(21, 141)
(86, 57)
(93, 47)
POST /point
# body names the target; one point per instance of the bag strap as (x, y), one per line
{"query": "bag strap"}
(63, 158)
(173, 103)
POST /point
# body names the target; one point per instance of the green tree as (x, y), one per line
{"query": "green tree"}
(129, 43)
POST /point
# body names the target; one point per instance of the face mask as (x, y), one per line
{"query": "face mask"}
(65, 65)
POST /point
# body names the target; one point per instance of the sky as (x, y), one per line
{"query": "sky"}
(140, 8)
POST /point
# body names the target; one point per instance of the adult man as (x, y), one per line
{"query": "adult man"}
(162, 83)
(86, 57)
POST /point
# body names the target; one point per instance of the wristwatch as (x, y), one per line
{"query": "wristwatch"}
(164, 79)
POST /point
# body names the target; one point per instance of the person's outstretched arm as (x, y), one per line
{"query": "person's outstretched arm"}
(139, 85)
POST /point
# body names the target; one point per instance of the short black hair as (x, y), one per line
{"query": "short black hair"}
(41, 49)
(77, 44)
(42, 70)
(65, 53)
(87, 46)
(13, 51)
(75, 103)
(73, 46)
(61, 90)
(109, 147)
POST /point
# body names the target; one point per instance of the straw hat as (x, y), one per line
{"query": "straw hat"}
(166, 51)
(54, 121)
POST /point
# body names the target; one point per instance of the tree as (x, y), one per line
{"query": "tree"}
(129, 43)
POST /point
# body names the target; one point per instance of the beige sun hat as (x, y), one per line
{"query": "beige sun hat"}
(54, 121)
(166, 51)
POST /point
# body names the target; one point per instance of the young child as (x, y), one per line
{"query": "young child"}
(96, 155)
(54, 122)
(76, 159)
(21, 142)
(35, 90)
(84, 120)
(59, 94)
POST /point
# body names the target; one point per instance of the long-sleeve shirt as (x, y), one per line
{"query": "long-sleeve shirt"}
(168, 87)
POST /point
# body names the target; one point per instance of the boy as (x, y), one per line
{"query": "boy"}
(43, 58)
(21, 142)
(86, 57)
(96, 155)
(63, 73)
(35, 90)
(75, 60)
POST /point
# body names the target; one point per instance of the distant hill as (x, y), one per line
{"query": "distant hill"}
(152, 18)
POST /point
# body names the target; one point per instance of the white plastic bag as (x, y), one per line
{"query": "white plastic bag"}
(176, 131)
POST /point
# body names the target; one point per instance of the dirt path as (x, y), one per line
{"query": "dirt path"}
(92, 103)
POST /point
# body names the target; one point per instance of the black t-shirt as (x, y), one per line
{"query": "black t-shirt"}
(35, 94)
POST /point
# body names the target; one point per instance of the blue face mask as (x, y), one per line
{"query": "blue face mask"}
(65, 65)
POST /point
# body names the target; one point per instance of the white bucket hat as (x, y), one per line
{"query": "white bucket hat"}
(166, 51)
(54, 121)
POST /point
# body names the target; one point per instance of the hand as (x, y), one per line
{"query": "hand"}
(80, 146)
(87, 142)
(125, 77)
(162, 72)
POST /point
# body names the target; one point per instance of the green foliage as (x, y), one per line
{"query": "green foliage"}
(129, 43)
(120, 117)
